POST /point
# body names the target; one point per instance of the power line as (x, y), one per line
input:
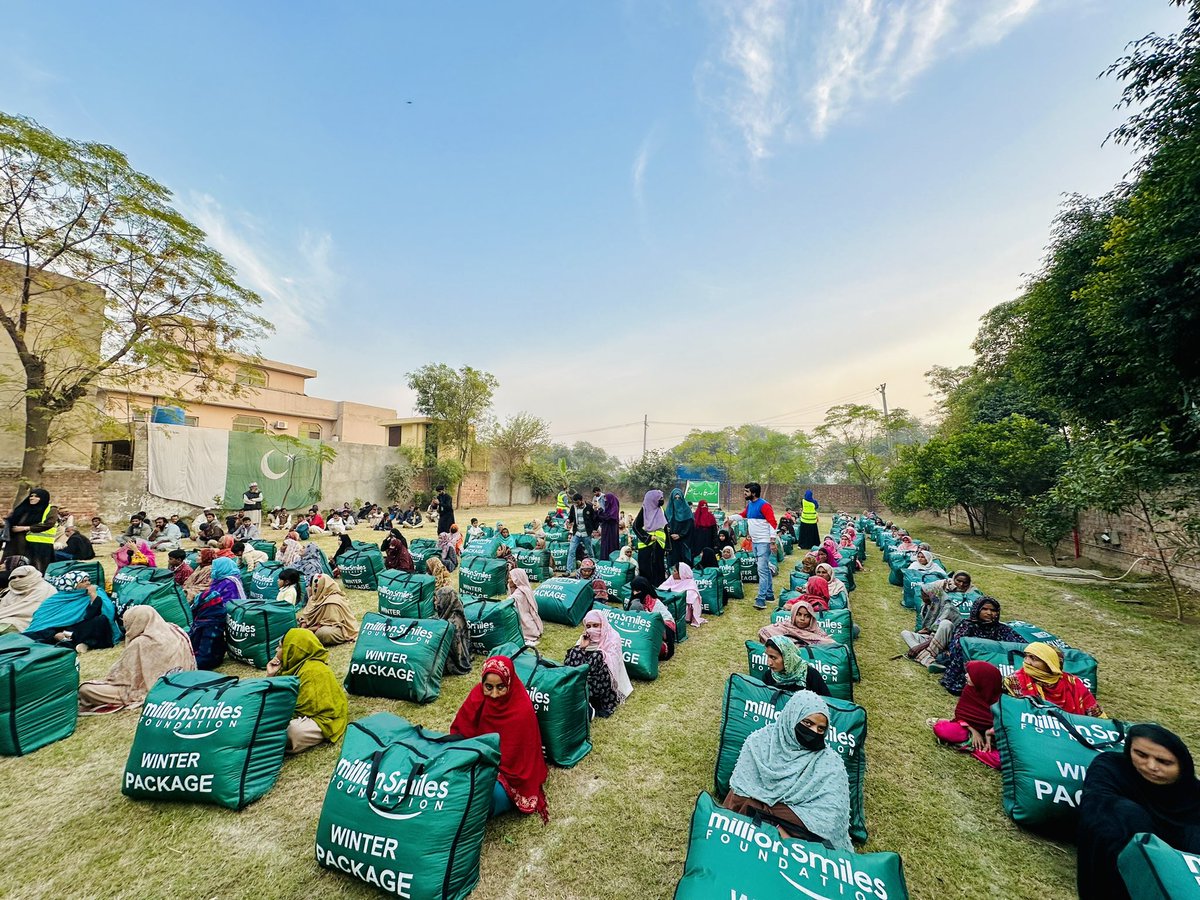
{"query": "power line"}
(594, 430)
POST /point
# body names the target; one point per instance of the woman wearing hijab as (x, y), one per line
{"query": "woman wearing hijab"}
(680, 526)
(789, 671)
(786, 771)
(153, 648)
(803, 627)
(521, 594)
(683, 581)
(322, 712)
(500, 704)
(650, 527)
(395, 552)
(971, 728)
(327, 614)
(924, 562)
(345, 545)
(833, 555)
(708, 558)
(33, 526)
(984, 622)
(610, 526)
(599, 648)
(448, 550)
(1042, 676)
(208, 613)
(643, 598)
(291, 551)
(726, 540)
(79, 614)
(310, 563)
(704, 530)
(133, 552)
(26, 591)
(1150, 788)
(936, 620)
(197, 583)
(449, 608)
(839, 597)
(810, 533)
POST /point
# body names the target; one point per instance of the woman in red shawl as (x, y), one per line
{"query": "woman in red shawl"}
(816, 595)
(971, 728)
(704, 531)
(1042, 676)
(499, 704)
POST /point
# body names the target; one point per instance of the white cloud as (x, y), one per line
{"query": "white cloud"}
(792, 70)
(297, 283)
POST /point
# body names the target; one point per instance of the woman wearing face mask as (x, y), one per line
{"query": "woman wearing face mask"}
(984, 622)
(785, 771)
(683, 581)
(1150, 788)
(643, 598)
(1042, 676)
(500, 704)
(789, 671)
(650, 529)
(599, 648)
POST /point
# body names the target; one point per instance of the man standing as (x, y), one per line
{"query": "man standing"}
(445, 510)
(252, 504)
(760, 519)
(582, 523)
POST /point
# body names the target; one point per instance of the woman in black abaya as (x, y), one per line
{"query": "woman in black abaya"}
(33, 515)
(1151, 788)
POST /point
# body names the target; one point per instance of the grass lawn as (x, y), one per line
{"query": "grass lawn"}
(620, 817)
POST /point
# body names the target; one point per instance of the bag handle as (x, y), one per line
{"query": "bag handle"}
(15, 651)
(1061, 717)
(536, 652)
(225, 683)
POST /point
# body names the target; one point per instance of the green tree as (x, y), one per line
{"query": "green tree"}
(855, 441)
(581, 465)
(656, 469)
(770, 457)
(1147, 477)
(458, 401)
(75, 210)
(513, 442)
(400, 477)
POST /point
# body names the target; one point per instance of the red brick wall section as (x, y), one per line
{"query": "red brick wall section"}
(76, 489)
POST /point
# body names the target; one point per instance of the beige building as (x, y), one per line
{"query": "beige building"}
(272, 399)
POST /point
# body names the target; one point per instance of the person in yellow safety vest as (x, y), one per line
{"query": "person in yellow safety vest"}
(810, 533)
(562, 501)
(34, 526)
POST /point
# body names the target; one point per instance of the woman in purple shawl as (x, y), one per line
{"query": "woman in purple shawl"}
(610, 532)
(208, 613)
(650, 526)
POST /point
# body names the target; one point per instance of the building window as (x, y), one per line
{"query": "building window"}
(191, 421)
(252, 377)
(139, 415)
(393, 435)
(310, 430)
(250, 423)
(112, 456)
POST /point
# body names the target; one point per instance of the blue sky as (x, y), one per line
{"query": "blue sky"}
(711, 213)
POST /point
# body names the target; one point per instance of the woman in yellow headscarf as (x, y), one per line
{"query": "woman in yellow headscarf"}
(1042, 676)
(322, 712)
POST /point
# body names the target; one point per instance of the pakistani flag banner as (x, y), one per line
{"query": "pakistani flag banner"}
(197, 465)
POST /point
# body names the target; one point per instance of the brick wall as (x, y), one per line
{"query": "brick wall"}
(76, 489)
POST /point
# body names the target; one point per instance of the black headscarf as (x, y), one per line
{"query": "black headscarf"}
(1118, 803)
(1177, 803)
(27, 513)
(708, 558)
(641, 587)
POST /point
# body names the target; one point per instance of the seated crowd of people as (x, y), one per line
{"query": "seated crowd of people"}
(785, 773)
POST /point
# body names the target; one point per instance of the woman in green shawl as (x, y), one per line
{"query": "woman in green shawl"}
(788, 670)
(786, 772)
(680, 523)
(321, 709)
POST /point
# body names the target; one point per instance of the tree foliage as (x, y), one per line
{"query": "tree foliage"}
(76, 210)
(400, 477)
(582, 465)
(458, 400)
(858, 443)
(748, 453)
(513, 442)
(656, 469)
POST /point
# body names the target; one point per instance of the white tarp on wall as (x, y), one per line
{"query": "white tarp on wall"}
(188, 464)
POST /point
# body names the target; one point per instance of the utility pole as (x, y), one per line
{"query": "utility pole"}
(645, 431)
(887, 434)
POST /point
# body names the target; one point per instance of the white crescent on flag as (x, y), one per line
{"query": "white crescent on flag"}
(266, 468)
